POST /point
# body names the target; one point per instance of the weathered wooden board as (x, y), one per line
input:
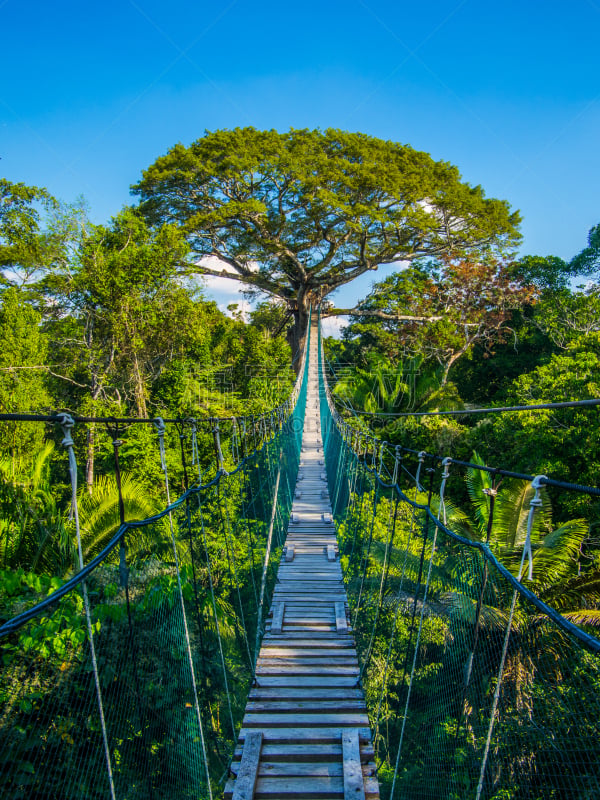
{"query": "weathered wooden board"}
(282, 693)
(354, 786)
(294, 735)
(324, 720)
(307, 752)
(314, 706)
(341, 623)
(277, 621)
(248, 768)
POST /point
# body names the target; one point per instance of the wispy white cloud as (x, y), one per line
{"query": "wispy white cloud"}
(333, 326)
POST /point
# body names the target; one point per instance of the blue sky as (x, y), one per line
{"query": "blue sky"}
(91, 93)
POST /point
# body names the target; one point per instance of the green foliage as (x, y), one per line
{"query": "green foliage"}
(34, 530)
(430, 622)
(22, 243)
(23, 363)
(545, 272)
(301, 213)
(587, 261)
(558, 445)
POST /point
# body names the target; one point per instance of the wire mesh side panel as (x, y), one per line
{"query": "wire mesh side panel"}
(473, 691)
(53, 743)
(498, 701)
(171, 687)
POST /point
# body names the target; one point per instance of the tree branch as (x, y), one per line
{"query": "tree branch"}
(251, 278)
(359, 312)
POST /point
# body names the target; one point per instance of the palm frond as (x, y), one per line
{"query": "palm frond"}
(99, 514)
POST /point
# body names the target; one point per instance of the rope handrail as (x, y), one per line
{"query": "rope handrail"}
(210, 419)
(591, 402)
(547, 481)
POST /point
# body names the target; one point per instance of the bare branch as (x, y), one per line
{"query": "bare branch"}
(359, 312)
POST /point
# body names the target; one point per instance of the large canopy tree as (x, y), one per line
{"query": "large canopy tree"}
(298, 214)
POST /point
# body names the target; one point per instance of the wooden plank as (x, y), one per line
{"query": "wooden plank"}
(280, 788)
(298, 634)
(294, 735)
(334, 661)
(318, 644)
(341, 623)
(307, 752)
(305, 652)
(296, 769)
(248, 770)
(354, 785)
(277, 621)
(309, 669)
(275, 720)
(312, 706)
(302, 693)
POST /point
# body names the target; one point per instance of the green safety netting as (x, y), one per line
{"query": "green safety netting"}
(475, 687)
(129, 680)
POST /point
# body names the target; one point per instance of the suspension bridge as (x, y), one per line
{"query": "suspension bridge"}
(304, 623)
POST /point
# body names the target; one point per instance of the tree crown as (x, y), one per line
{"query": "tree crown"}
(298, 214)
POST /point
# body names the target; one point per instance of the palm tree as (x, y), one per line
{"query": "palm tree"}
(34, 528)
(556, 552)
(390, 387)
(100, 519)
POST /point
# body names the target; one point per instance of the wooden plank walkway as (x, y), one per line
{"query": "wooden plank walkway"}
(306, 732)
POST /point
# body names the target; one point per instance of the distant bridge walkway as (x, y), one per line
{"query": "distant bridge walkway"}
(306, 732)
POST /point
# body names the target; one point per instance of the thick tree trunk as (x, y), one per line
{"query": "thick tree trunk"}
(140, 388)
(297, 333)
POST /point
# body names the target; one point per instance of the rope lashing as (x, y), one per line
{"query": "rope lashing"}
(535, 503)
(397, 459)
(235, 450)
(195, 455)
(66, 422)
(421, 458)
(381, 452)
(244, 440)
(123, 568)
(374, 453)
(445, 475)
(160, 428)
(217, 442)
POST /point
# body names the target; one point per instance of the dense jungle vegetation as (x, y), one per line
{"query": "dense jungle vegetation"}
(111, 320)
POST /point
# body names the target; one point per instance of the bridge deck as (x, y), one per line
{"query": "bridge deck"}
(306, 732)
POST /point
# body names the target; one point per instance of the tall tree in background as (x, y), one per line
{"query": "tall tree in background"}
(301, 213)
(587, 262)
(23, 244)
